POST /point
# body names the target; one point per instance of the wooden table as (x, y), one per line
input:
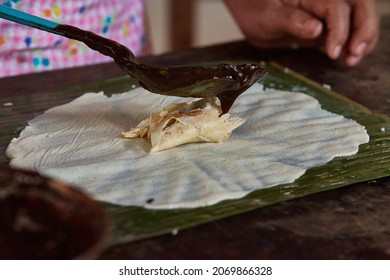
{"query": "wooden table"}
(348, 223)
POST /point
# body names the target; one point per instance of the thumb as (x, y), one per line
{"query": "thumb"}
(300, 24)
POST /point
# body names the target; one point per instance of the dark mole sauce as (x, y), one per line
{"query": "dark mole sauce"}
(233, 79)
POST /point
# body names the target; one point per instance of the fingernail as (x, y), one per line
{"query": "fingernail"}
(353, 60)
(312, 28)
(317, 30)
(336, 52)
(359, 50)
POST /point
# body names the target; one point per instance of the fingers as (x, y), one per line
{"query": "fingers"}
(272, 23)
(347, 28)
(336, 15)
(352, 26)
(364, 31)
(298, 23)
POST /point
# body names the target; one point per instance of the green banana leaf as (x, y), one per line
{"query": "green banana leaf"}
(135, 223)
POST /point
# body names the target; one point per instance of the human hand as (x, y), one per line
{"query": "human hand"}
(343, 28)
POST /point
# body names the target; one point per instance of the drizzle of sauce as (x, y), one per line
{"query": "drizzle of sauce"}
(225, 81)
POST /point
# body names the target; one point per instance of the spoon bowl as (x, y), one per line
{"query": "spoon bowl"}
(224, 81)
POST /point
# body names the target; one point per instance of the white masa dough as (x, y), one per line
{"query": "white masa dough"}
(285, 134)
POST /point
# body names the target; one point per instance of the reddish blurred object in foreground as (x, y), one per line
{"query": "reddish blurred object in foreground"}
(41, 218)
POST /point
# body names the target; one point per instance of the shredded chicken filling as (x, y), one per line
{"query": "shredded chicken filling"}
(184, 123)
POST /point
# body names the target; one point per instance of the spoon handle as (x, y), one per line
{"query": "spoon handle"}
(29, 20)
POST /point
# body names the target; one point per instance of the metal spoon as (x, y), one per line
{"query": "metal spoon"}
(224, 81)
